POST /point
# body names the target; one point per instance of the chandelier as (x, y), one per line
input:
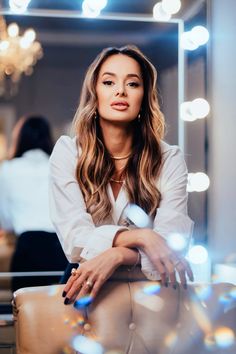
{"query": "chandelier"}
(18, 55)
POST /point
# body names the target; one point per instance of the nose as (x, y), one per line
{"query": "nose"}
(121, 91)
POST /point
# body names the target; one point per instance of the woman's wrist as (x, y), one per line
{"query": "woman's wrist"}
(135, 238)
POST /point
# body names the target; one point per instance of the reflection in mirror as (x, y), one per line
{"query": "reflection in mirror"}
(69, 46)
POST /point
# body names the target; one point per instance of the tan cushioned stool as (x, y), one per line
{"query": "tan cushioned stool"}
(125, 318)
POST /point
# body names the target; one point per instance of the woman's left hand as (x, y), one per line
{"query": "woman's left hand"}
(91, 275)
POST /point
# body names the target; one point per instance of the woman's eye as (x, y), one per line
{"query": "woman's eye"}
(133, 84)
(107, 82)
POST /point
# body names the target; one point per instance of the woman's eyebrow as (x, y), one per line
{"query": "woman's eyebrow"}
(128, 75)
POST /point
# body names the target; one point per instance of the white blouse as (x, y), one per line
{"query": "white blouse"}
(24, 202)
(80, 237)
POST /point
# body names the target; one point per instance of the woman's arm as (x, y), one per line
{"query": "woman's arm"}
(96, 271)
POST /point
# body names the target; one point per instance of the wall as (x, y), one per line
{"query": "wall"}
(222, 127)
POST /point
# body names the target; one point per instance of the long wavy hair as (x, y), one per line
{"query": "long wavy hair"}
(95, 167)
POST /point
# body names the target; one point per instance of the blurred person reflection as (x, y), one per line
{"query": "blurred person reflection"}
(24, 203)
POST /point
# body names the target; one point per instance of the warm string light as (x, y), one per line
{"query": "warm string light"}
(18, 55)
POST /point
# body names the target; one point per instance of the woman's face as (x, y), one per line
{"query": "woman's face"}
(119, 89)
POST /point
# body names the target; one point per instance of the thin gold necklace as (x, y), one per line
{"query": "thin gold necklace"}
(116, 181)
(121, 157)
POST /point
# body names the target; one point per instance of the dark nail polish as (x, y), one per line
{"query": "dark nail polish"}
(174, 286)
(67, 300)
(185, 286)
(166, 284)
(64, 293)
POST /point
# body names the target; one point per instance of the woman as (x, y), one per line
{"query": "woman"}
(118, 157)
(24, 203)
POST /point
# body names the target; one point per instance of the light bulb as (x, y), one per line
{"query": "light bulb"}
(159, 14)
(88, 12)
(13, 30)
(185, 113)
(30, 35)
(186, 41)
(199, 108)
(199, 35)
(171, 6)
(96, 5)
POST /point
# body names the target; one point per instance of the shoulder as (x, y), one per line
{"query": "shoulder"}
(173, 159)
(168, 149)
(66, 144)
(65, 151)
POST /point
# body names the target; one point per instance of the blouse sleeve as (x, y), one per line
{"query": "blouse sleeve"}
(171, 216)
(5, 209)
(79, 237)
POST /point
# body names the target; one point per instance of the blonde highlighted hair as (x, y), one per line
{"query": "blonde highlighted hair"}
(95, 166)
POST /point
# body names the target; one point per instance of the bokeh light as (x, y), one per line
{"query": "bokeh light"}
(154, 288)
(203, 292)
(177, 242)
(83, 302)
(224, 337)
(137, 216)
(171, 339)
(53, 290)
(86, 345)
(197, 254)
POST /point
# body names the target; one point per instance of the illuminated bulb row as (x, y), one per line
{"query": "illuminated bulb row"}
(92, 8)
(198, 182)
(191, 40)
(163, 10)
(19, 6)
(196, 109)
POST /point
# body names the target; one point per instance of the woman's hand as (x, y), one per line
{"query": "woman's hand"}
(166, 260)
(92, 274)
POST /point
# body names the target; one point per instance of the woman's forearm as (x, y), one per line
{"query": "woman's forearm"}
(130, 238)
(127, 256)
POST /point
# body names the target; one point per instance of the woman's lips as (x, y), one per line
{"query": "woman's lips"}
(119, 106)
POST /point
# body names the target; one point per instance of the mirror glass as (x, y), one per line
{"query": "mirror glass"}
(69, 46)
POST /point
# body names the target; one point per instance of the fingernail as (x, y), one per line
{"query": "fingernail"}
(166, 284)
(174, 286)
(64, 293)
(66, 301)
(185, 286)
